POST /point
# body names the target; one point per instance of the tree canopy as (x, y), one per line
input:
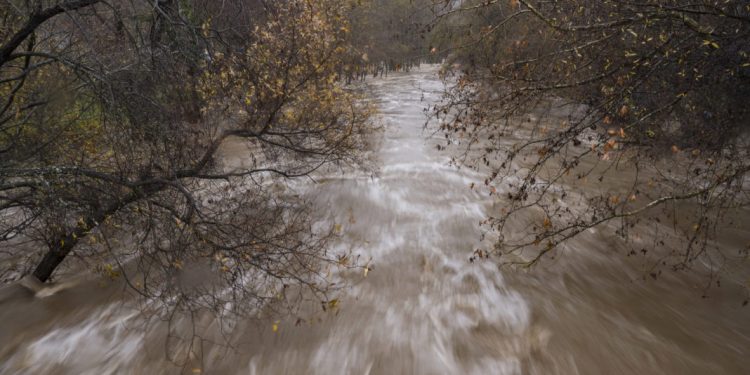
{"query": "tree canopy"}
(112, 120)
(651, 95)
(116, 119)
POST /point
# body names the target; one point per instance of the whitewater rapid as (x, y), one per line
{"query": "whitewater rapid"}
(423, 307)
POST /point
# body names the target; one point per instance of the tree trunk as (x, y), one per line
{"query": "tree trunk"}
(66, 242)
(54, 257)
(35, 20)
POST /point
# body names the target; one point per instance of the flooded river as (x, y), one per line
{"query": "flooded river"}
(423, 308)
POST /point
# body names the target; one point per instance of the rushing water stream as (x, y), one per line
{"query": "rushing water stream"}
(424, 308)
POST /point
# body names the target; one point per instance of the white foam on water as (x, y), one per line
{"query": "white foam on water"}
(100, 344)
(417, 221)
(420, 309)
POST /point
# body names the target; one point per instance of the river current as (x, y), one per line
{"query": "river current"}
(423, 308)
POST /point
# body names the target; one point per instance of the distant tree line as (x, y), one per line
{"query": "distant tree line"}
(391, 35)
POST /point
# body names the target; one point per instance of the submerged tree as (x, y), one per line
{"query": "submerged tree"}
(650, 95)
(113, 119)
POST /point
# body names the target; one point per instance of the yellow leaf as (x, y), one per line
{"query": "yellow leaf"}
(610, 145)
(334, 303)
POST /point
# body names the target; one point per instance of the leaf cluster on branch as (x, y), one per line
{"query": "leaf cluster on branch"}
(618, 114)
(113, 119)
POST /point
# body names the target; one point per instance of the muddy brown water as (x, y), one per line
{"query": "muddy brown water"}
(424, 308)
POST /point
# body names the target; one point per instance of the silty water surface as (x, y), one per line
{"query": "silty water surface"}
(424, 308)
